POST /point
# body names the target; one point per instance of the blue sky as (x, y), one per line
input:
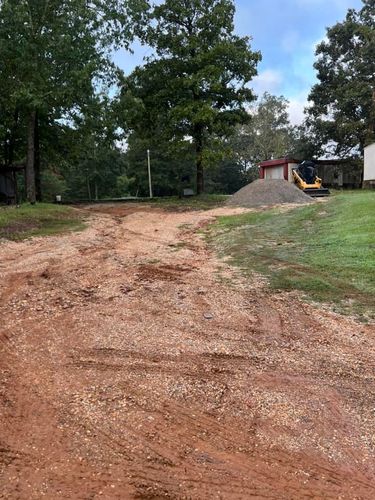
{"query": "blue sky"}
(286, 32)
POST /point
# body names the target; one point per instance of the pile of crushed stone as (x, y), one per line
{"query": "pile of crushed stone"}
(268, 192)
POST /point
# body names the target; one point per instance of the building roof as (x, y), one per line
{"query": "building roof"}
(283, 161)
(277, 162)
(11, 168)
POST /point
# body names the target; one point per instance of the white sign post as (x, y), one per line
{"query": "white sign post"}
(149, 172)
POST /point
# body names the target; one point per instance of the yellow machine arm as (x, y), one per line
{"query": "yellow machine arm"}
(303, 185)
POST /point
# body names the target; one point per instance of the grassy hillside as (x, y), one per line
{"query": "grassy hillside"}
(325, 250)
(37, 220)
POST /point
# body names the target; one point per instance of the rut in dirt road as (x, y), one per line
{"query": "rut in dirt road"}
(135, 364)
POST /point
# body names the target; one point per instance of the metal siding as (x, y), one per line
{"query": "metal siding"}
(369, 173)
(274, 172)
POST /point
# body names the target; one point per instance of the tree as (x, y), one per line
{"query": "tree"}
(305, 143)
(54, 55)
(267, 135)
(343, 109)
(172, 165)
(228, 176)
(85, 152)
(195, 88)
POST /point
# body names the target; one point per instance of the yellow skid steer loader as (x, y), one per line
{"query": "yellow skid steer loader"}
(305, 178)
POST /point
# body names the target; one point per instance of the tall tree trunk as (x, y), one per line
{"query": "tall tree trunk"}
(38, 184)
(15, 183)
(198, 136)
(96, 190)
(10, 145)
(30, 160)
(200, 175)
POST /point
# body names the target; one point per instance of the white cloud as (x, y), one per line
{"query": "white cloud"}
(268, 80)
(296, 106)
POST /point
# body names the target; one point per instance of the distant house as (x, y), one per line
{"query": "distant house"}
(334, 173)
(369, 171)
(8, 183)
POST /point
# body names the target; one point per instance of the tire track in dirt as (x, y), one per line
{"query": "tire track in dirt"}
(130, 369)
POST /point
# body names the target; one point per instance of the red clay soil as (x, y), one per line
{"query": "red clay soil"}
(134, 364)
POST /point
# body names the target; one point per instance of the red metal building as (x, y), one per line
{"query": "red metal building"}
(277, 169)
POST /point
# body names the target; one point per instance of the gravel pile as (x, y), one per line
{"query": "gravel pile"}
(268, 192)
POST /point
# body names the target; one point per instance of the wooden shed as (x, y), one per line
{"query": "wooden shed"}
(346, 173)
(8, 183)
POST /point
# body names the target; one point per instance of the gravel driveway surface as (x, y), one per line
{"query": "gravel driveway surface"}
(135, 364)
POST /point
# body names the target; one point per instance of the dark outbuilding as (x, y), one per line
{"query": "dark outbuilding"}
(8, 183)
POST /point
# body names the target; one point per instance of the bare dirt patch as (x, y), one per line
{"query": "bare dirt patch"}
(134, 364)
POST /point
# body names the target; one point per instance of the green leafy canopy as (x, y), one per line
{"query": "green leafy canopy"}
(343, 108)
(196, 84)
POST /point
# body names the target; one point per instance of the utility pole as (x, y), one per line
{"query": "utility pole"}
(149, 172)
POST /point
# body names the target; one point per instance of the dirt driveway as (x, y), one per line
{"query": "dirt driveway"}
(134, 364)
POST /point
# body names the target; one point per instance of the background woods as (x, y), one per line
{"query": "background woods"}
(77, 125)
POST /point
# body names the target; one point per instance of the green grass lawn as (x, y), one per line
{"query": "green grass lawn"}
(325, 250)
(37, 220)
(200, 202)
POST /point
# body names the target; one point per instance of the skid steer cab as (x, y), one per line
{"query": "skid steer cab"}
(305, 177)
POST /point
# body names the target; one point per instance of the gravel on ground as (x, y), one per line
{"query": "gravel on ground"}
(269, 192)
(135, 364)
